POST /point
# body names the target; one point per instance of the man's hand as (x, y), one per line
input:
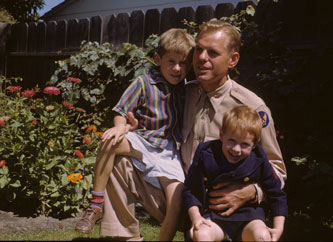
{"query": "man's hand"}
(230, 196)
(133, 123)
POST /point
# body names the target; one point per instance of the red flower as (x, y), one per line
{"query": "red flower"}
(68, 105)
(28, 93)
(78, 154)
(15, 88)
(3, 163)
(75, 80)
(34, 122)
(52, 90)
(2, 121)
(80, 110)
(87, 140)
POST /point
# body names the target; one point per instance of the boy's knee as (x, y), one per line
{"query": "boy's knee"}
(201, 235)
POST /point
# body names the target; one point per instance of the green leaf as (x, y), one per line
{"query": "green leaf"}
(51, 164)
(3, 181)
(89, 160)
(17, 183)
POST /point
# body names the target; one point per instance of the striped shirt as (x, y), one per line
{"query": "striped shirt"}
(157, 105)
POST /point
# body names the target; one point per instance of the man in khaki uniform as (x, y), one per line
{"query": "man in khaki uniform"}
(217, 51)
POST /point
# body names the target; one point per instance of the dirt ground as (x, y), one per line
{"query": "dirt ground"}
(11, 223)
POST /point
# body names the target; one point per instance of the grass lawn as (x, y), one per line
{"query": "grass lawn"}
(149, 230)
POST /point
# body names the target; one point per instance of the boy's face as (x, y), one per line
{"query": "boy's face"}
(173, 66)
(236, 146)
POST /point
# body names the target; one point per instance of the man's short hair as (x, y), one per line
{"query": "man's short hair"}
(175, 40)
(242, 120)
(217, 25)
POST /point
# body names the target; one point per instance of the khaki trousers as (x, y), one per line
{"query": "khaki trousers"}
(125, 188)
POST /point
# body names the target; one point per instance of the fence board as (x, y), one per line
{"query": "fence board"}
(224, 10)
(95, 29)
(187, 13)
(73, 39)
(168, 19)
(111, 29)
(136, 27)
(105, 34)
(152, 22)
(32, 34)
(61, 32)
(122, 29)
(84, 29)
(51, 36)
(40, 36)
(22, 37)
(204, 13)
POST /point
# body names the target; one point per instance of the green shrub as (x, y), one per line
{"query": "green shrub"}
(105, 71)
(46, 155)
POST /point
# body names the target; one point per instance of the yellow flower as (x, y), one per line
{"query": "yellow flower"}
(99, 134)
(74, 177)
(49, 108)
(50, 143)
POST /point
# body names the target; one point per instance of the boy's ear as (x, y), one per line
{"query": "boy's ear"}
(157, 59)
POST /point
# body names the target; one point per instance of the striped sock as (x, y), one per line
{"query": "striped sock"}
(97, 199)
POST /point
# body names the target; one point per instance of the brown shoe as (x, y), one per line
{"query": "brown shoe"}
(90, 217)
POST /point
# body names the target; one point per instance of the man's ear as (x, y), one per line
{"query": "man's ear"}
(234, 58)
(157, 59)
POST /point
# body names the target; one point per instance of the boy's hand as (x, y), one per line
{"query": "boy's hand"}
(116, 134)
(275, 233)
(133, 123)
(230, 196)
(200, 221)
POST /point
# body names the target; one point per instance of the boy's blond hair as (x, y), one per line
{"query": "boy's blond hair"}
(213, 25)
(243, 120)
(176, 40)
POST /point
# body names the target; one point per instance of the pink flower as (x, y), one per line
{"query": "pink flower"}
(68, 105)
(52, 90)
(87, 140)
(75, 80)
(15, 88)
(80, 110)
(34, 122)
(3, 163)
(79, 154)
(28, 93)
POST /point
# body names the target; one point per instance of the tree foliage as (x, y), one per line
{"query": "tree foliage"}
(22, 10)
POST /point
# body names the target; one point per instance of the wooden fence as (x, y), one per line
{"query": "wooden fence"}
(30, 50)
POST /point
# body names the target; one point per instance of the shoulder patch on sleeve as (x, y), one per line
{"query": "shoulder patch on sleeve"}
(264, 118)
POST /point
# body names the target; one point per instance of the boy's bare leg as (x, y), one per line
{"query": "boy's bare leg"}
(207, 233)
(105, 160)
(173, 192)
(256, 230)
(103, 168)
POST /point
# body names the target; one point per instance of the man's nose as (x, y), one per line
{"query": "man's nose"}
(203, 55)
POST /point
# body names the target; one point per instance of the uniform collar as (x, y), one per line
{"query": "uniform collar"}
(215, 95)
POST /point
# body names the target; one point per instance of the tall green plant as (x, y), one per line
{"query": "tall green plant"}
(46, 154)
(105, 71)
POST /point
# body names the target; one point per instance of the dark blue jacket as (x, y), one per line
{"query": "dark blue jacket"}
(210, 167)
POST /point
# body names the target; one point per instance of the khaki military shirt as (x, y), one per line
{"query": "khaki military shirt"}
(203, 115)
